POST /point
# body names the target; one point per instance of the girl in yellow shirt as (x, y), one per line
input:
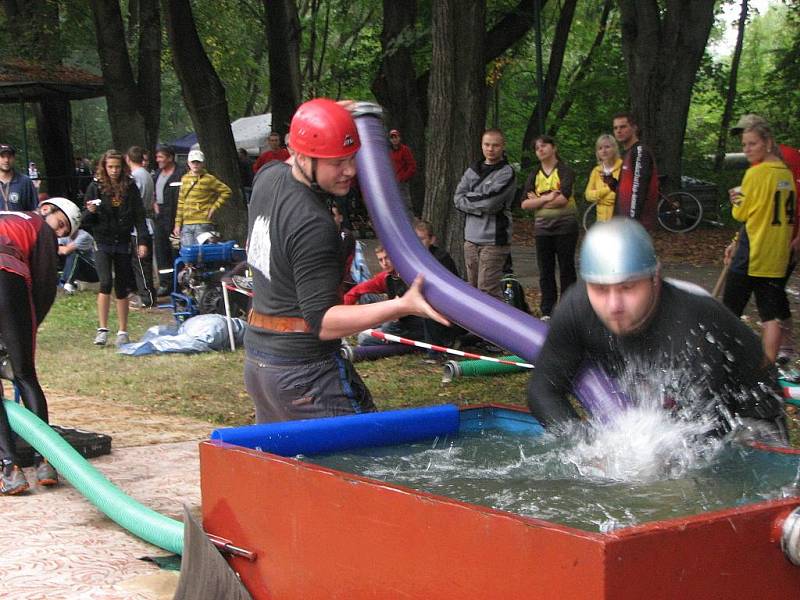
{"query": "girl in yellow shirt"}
(766, 204)
(608, 163)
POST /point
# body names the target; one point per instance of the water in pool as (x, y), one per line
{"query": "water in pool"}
(643, 466)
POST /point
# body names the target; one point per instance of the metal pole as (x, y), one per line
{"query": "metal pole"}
(537, 18)
(24, 136)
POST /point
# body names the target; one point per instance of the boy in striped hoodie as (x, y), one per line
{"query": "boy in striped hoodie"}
(200, 197)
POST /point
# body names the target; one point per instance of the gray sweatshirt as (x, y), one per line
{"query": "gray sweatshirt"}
(485, 194)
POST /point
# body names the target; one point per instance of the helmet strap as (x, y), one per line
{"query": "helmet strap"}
(312, 180)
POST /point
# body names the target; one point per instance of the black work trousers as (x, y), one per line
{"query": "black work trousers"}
(549, 249)
(17, 329)
(165, 254)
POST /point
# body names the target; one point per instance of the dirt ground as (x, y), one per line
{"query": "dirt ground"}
(127, 425)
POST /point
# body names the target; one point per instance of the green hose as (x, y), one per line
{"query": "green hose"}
(474, 368)
(141, 521)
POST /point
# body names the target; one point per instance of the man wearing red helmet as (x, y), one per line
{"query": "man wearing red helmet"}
(293, 369)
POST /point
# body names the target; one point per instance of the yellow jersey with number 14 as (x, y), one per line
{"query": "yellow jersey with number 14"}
(768, 212)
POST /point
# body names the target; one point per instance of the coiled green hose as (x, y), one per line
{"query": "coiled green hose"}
(473, 368)
(141, 521)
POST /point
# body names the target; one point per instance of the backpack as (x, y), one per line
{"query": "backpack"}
(514, 293)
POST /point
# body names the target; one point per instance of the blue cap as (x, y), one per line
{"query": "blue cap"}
(616, 251)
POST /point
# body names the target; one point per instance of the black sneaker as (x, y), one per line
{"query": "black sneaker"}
(13, 481)
(45, 474)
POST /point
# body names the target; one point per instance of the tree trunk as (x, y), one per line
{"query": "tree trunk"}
(394, 87)
(35, 27)
(53, 118)
(663, 46)
(582, 71)
(205, 100)
(122, 93)
(405, 95)
(149, 80)
(719, 158)
(556, 62)
(457, 105)
(283, 33)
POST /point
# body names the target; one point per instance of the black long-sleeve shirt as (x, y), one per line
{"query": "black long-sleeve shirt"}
(693, 351)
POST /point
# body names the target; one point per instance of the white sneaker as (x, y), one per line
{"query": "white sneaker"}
(101, 338)
(69, 288)
(122, 338)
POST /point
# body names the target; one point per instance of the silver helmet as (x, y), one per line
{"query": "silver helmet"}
(616, 251)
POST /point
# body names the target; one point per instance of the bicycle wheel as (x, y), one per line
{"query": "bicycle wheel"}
(679, 212)
(589, 216)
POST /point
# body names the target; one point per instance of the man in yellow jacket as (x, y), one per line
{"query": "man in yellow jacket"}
(200, 197)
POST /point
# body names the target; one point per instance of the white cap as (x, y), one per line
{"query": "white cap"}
(196, 155)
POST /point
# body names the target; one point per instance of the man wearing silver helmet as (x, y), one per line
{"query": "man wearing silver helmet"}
(667, 338)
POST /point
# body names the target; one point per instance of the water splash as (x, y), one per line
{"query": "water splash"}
(642, 444)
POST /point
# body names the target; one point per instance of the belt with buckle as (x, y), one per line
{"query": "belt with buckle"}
(279, 324)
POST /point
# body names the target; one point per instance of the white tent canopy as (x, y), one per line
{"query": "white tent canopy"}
(250, 133)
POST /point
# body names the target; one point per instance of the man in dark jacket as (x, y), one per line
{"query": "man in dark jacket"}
(168, 181)
(637, 188)
(16, 190)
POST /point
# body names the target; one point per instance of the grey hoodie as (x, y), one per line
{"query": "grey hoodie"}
(485, 194)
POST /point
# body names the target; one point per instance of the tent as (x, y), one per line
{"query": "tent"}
(249, 133)
(183, 144)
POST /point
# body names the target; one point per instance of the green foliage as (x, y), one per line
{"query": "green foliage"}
(341, 52)
(341, 48)
(602, 93)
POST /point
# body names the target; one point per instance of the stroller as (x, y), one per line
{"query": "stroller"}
(198, 279)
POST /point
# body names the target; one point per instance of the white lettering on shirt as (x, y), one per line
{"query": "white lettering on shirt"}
(259, 246)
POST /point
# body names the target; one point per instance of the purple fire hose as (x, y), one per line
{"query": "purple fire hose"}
(480, 313)
(359, 353)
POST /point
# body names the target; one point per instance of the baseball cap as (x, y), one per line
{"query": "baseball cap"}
(8, 149)
(394, 132)
(747, 121)
(196, 155)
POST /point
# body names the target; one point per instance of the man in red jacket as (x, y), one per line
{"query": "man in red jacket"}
(404, 166)
(274, 152)
(637, 188)
(28, 281)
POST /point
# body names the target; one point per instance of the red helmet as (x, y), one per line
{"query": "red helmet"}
(322, 128)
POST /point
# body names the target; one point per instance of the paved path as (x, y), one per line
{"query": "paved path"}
(56, 545)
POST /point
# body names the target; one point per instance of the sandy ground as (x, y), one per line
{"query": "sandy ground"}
(127, 425)
(56, 545)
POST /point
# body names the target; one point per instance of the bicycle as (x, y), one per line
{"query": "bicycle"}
(678, 212)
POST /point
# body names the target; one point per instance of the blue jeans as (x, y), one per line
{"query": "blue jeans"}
(79, 266)
(189, 233)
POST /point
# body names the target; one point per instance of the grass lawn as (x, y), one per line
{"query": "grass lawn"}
(210, 386)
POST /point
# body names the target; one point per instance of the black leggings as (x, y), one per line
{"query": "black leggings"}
(17, 331)
(115, 272)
